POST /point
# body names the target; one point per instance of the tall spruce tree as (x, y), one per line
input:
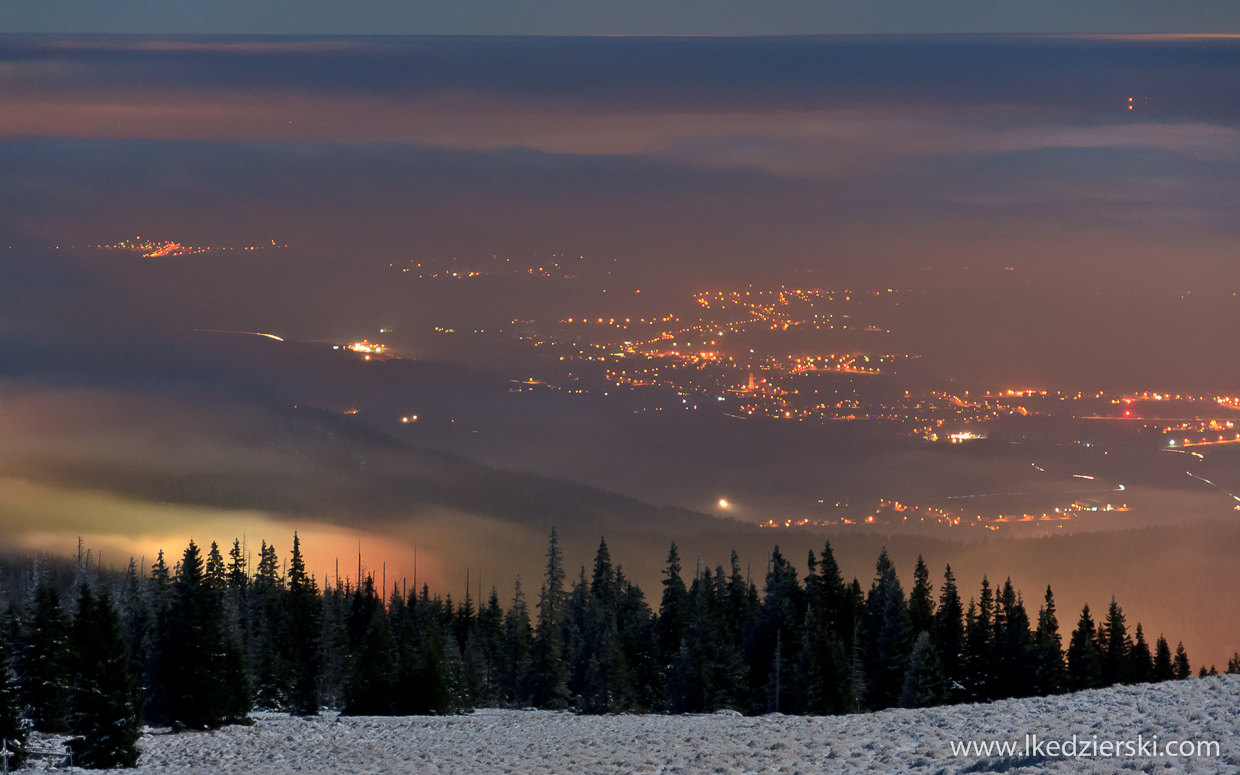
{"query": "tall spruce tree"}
(160, 589)
(1084, 662)
(673, 610)
(371, 688)
(104, 706)
(1164, 665)
(405, 638)
(1050, 674)
(334, 651)
(1114, 646)
(489, 640)
(888, 636)
(689, 686)
(429, 677)
(214, 574)
(45, 662)
(832, 598)
(518, 638)
(1015, 660)
(238, 691)
(473, 653)
(547, 681)
(978, 667)
(13, 732)
(238, 576)
(139, 627)
(776, 651)
(921, 600)
(466, 615)
(605, 685)
(950, 635)
(739, 609)
(266, 615)
(707, 671)
(302, 627)
(157, 591)
(193, 647)
(573, 634)
(405, 622)
(635, 625)
(1182, 668)
(1140, 660)
(236, 599)
(828, 622)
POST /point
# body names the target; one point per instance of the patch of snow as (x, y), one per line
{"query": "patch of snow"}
(514, 742)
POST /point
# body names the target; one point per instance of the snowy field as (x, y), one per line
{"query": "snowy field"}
(900, 741)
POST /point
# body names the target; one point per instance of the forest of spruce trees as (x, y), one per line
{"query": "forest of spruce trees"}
(94, 654)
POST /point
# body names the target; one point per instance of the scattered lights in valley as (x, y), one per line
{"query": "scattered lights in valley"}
(367, 349)
(726, 350)
(149, 248)
(812, 356)
(365, 346)
(555, 266)
(700, 355)
(889, 513)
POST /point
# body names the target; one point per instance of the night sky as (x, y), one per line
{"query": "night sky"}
(1102, 171)
(643, 17)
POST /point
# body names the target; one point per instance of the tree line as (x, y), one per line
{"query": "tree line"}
(201, 643)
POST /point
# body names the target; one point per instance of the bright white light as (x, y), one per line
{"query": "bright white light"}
(723, 504)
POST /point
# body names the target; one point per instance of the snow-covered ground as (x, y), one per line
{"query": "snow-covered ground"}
(898, 741)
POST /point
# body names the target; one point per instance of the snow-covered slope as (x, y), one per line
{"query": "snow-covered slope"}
(894, 741)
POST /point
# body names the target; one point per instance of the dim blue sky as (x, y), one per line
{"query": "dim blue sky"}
(645, 17)
(1087, 163)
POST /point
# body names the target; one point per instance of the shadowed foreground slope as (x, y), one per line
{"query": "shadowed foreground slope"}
(903, 741)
